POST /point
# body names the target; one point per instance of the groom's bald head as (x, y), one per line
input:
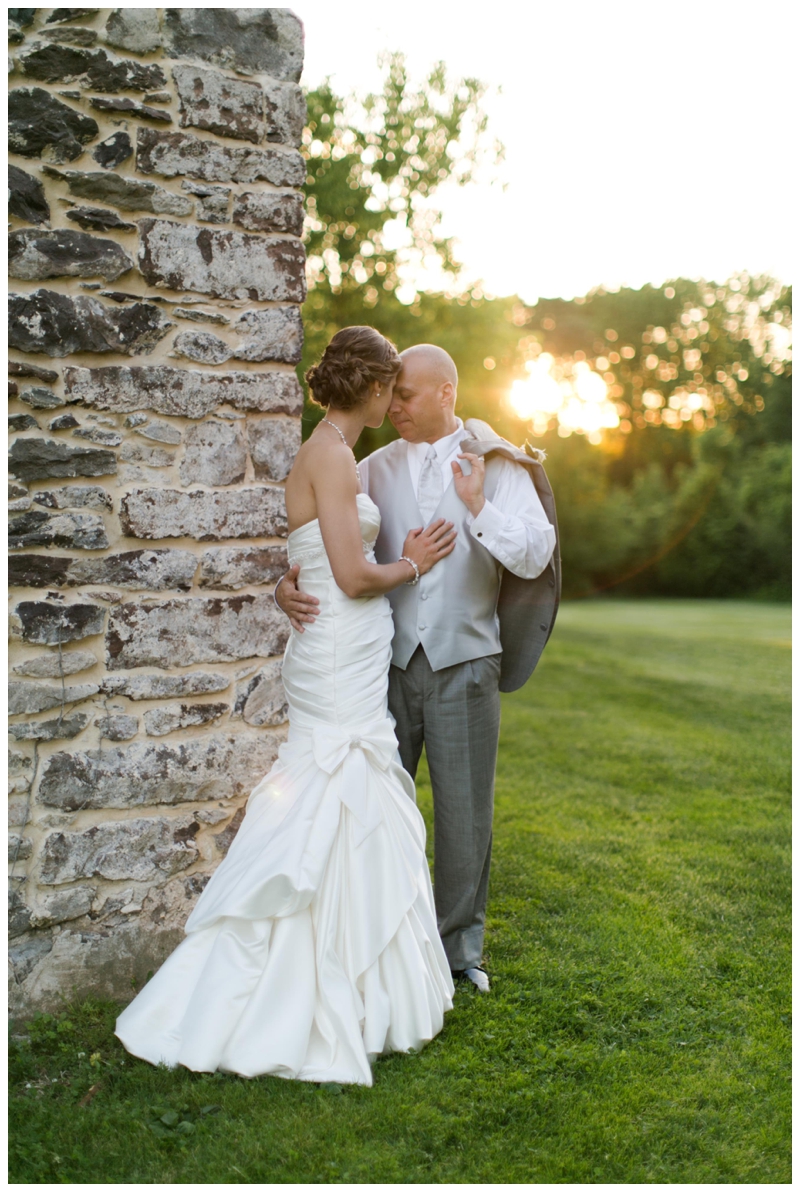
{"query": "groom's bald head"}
(433, 362)
(424, 394)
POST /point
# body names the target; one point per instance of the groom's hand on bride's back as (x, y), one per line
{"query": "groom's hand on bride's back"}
(299, 607)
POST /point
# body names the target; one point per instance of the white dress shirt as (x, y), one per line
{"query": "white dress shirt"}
(513, 526)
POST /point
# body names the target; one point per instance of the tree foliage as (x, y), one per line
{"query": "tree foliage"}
(689, 492)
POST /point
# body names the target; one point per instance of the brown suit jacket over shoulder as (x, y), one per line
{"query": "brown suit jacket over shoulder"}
(526, 608)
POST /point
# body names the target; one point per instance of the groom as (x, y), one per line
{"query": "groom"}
(445, 678)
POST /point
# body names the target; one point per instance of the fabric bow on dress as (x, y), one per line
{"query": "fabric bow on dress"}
(351, 752)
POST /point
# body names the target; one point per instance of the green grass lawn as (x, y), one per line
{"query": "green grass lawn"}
(638, 941)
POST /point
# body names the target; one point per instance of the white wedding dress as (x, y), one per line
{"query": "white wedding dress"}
(314, 946)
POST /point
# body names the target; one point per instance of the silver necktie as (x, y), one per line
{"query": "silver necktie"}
(431, 485)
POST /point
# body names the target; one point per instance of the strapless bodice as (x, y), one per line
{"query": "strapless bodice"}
(337, 669)
(304, 545)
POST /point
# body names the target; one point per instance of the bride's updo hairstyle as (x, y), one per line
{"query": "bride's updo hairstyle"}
(355, 357)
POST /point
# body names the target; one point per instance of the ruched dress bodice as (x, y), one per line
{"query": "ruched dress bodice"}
(337, 670)
(314, 946)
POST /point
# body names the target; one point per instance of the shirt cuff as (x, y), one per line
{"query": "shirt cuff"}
(487, 525)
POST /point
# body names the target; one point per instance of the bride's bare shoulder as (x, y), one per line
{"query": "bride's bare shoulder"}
(320, 458)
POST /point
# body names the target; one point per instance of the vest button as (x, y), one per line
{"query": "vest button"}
(423, 627)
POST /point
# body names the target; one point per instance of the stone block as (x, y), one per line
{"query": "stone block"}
(138, 687)
(217, 103)
(224, 839)
(108, 438)
(20, 777)
(24, 369)
(26, 199)
(286, 112)
(21, 17)
(71, 37)
(19, 920)
(70, 14)
(144, 774)
(269, 211)
(64, 728)
(42, 126)
(20, 422)
(60, 324)
(200, 316)
(99, 219)
(215, 454)
(130, 107)
(140, 570)
(223, 264)
(275, 334)
(117, 727)
(135, 29)
(74, 496)
(36, 255)
(36, 697)
(274, 443)
(153, 457)
(40, 459)
(261, 699)
(205, 516)
(132, 850)
(160, 721)
(20, 848)
(212, 204)
(64, 906)
(82, 531)
(161, 432)
(27, 954)
(92, 68)
(187, 394)
(182, 153)
(129, 194)
(183, 632)
(63, 422)
(113, 151)
(51, 665)
(48, 624)
(201, 347)
(248, 40)
(41, 399)
(234, 567)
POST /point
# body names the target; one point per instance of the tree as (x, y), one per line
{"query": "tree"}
(686, 488)
(373, 166)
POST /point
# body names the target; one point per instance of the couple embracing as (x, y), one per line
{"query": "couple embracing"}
(422, 582)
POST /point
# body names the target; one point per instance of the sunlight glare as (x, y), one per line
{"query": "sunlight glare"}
(572, 393)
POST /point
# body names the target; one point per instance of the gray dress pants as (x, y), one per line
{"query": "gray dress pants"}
(456, 713)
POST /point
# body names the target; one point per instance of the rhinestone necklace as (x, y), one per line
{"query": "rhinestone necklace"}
(344, 440)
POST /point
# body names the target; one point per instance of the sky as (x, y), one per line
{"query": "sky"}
(644, 141)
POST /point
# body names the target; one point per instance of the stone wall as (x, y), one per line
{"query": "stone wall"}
(156, 274)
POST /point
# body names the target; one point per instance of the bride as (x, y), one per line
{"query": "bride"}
(314, 946)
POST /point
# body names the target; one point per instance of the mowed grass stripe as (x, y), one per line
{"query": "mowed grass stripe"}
(638, 939)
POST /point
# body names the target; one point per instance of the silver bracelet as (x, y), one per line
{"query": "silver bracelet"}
(275, 593)
(405, 559)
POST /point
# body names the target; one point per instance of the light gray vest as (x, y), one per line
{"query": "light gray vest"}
(453, 610)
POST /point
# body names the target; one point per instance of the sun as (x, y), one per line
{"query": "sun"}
(569, 392)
